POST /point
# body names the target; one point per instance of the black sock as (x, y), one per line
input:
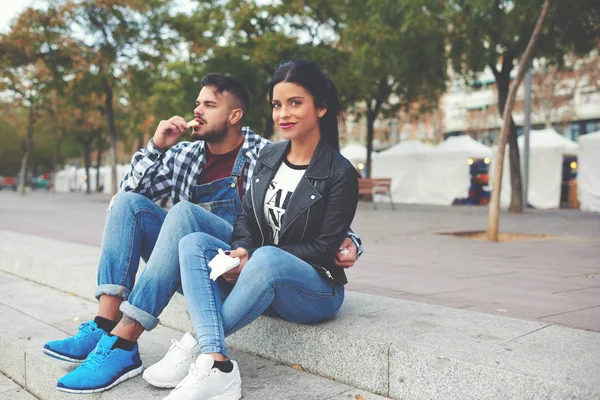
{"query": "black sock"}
(123, 344)
(105, 324)
(223, 366)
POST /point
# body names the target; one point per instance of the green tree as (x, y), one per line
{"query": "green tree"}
(11, 144)
(248, 40)
(119, 34)
(31, 67)
(396, 55)
(495, 34)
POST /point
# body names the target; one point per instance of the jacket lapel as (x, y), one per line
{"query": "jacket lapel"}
(306, 194)
(260, 182)
(303, 197)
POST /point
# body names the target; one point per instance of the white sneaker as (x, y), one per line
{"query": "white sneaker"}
(207, 383)
(175, 365)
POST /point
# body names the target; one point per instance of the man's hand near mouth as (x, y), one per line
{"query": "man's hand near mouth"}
(168, 131)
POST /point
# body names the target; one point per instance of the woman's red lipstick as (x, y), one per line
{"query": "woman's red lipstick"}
(287, 125)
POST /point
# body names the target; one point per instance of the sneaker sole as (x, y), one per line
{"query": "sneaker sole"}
(228, 396)
(131, 374)
(168, 385)
(61, 357)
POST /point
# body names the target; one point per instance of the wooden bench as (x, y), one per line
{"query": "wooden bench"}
(372, 186)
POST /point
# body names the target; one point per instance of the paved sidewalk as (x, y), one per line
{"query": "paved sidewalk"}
(553, 280)
(9, 390)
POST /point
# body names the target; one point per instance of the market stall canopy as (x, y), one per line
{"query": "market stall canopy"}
(549, 139)
(588, 174)
(465, 145)
(547, 149)
(354, 152)
(405, 147)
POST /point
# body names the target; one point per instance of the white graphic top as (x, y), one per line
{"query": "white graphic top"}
(279, 194)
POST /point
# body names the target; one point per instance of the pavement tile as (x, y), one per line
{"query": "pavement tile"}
(583, 319)
(6, 384)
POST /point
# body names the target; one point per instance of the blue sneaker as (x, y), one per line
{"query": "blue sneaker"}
(103, 368)
(76, 348)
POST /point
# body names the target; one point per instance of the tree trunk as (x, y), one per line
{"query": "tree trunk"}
(494, 208)
(516, 200)
(112, 133)
(371, 116)
(28, 149)
(98, 163)
(55, 167)
(87, 159)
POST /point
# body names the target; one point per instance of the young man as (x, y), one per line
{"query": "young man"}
(206, 179)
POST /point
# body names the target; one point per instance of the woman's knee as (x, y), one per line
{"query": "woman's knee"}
(264, 264)
(266, 253)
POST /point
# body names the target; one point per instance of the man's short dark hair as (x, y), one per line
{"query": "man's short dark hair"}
(223, 83)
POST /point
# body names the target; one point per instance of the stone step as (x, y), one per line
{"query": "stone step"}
(32, 314)
(396, 348)
(9, 390)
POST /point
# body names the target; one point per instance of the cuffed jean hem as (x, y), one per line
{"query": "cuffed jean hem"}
(148, 321)
(112, 290)
(214, 349)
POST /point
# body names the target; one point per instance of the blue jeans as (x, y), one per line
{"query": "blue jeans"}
(136, 227)
(271, 279)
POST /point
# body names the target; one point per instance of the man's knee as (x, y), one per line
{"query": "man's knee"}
(193, 242)
(183, 207)
(127, 200)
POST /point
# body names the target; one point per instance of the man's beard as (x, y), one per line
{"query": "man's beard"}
(214, 135)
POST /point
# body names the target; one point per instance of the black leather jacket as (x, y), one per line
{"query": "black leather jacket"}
(318, 215)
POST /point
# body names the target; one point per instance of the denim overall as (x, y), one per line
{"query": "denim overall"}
(221, 197)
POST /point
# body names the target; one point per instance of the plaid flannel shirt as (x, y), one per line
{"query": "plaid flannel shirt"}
(157, 173)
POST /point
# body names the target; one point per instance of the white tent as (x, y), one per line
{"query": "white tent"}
(355, 153)
(82, 178)
(547, 150)
(464, 147)
(405, 147)
(66, 179)
(72, 179)
(105, 173)
(588, 175)
(445, 175)
(403, 163)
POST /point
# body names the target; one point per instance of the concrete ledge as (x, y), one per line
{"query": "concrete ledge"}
(396, 348)
(54, 315)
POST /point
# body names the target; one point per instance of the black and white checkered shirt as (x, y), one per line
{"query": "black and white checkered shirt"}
(175, 172)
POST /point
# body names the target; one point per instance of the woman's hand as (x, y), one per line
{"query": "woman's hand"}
(347, 258)
(231, 276)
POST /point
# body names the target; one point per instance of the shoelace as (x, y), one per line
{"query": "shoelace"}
(84, 329)
(195, 375)
(177, 346)
(96, 358)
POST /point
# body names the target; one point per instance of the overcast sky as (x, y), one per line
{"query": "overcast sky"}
(9, 9)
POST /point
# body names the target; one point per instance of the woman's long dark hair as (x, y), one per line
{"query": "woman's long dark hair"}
(308, 75)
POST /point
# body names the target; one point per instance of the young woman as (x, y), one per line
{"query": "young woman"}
(301, 201)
